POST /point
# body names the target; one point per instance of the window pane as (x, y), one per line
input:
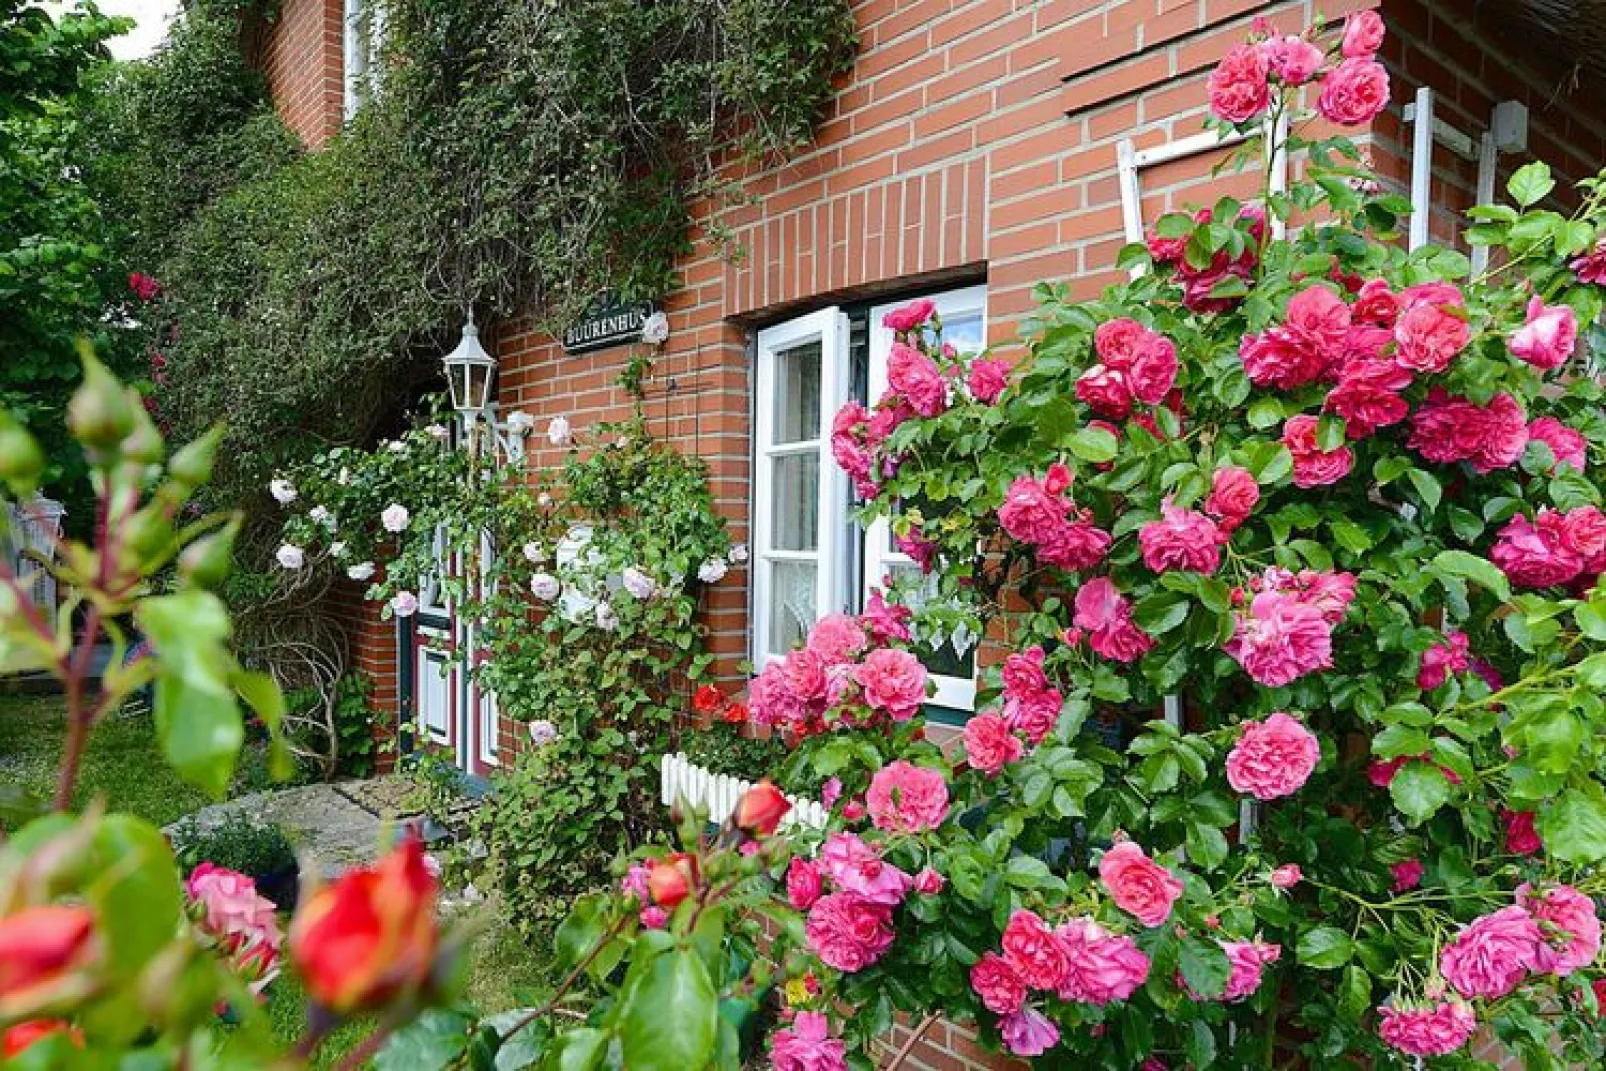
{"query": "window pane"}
(946, 656)
(964, 332)
(797, 394)
(795, 505)
(791, 604)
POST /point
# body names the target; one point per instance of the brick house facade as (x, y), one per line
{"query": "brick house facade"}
(977, 148)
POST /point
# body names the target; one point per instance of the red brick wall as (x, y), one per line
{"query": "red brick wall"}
(371, 652)
(302, 58)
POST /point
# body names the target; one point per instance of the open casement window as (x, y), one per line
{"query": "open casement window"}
(951, 660)
(799, 495)
(363, 39)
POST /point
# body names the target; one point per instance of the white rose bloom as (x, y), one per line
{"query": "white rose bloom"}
(291, 556)
(712, 571)
(344, 477)
(437, 432)
(542, 732)
(543, 500)
(638, 583)
(558, 432)
(534, 553)
(519, 422)
(321, 515)
(338, 548)
(397, 447)
(545, 586)
(404, 604)
(361, 571)
(655, 329)
(738, 554)
(607, 620)
(283, 491)
(395, 517)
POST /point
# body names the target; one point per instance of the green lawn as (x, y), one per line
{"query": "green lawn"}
(123, 766)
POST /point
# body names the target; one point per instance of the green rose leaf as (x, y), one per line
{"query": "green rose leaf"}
(1204, 966)
(1480, 571)
(1573, 826)
(1419, 789)
(1325, 948)
(1530, 184)
(197, 720)
(670, 1016)
(1094, 444)
(435, 1039)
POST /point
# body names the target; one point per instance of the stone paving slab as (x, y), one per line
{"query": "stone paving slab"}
(323, 823)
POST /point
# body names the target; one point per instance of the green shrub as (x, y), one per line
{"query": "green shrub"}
(237, 842)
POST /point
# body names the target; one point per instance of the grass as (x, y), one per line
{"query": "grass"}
(124, 766)
(122, 763)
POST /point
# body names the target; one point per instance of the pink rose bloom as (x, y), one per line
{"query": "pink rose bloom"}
(1318, 319)
(1435, 1029)
(804, 883)
(1521, 836)
(1028, 1032)
(1443, 659)
(987, 380)
(653, 917)
(847, 440)
(1313, 466)
(836, 639)
(893, 681)
(1287, 876)
(1105, 391)
(807, 1045)
(910, 316)
(859, 868)
(1429, 337)
(1363, 342)
(1074, 545)
(1106, 616)
(887, 418)
(916, 377)
(1329, 593)
(1354, 92)
(1569, 925)
(1147, 360)
(904, 798)
(1120, 342)
(989, 743)
(1182, 539)
(1363, 35)
(1536, 554)
(1139, 886)
(1293, 60)
(1272, 758)
(635, 882)
(886, 622)
(1569, 447)
(848, 932)
(1248, 960)
(997, 984)
(1591, 267)
(1239, 87)
(1406, 874)
(1491, 955)
(929, 882)
(1583, 532)
(240, 919)
(1449, 428)
(1233, 496)
(805, 675)
(1281, 639)
(1376, 304)
(1276, 358)
(1030, 513)
(1100, 967)
(771, 700)
(1548, 337)
(1033, 951)
(830, 792)
(1368, 396)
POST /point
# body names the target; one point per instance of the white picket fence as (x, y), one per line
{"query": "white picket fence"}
(684, 782)
(35, 526)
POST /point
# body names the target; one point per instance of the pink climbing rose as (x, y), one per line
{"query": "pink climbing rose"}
(904, 798)
(1569, 925)
(1272, 758)
(1548, 336)
(1493, 953)
(1433, 1029)
(807, 1045)
(1139, 886)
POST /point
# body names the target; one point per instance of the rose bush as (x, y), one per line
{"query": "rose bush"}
(1312, 525)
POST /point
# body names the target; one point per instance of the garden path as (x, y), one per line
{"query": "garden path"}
(323, 821)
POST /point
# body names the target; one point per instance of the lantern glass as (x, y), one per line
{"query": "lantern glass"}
(468, 372)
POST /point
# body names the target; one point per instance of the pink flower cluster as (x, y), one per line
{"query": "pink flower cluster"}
(990, 744)
(1272, 758)
(849, 929)
(1078, 961)
(242, 922)
(1443, 659)
(1449, 428)
(1182, 539)
(1353, 90)
(1037, 512)
(807, 1045)
(905, 798)
(1436, 1028)
(1135, 365)
(1554, 931)
(1288, 629)
(838, 677)
(1247, 961)
(1553, 548)
(1031, 704)
(1199, 284)
(1104, 616)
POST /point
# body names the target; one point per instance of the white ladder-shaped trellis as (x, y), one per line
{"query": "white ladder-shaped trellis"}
(35, 526)
(684, 782)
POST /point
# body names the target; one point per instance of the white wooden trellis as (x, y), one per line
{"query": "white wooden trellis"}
(35, 526)
(684, 783)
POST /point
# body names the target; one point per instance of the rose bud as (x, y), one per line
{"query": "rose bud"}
(21, 1036)
(45, 956)
(929, 882)
(369, 937)
(761, 809)
(672, 879)
(1286, 876)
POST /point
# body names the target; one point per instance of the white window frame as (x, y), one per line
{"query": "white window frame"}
(956, 692)
(362, 41)
(829, 327)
